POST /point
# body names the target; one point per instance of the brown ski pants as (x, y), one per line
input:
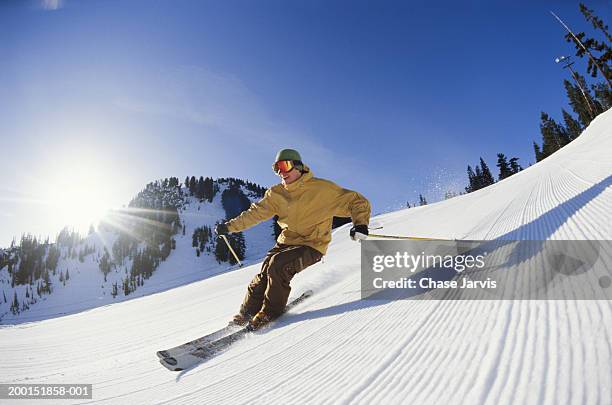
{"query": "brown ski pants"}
(269, 290)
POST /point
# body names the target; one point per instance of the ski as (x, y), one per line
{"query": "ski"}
(188, 346)
(208, 348)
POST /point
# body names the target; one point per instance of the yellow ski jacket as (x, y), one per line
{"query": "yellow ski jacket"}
(305, 210)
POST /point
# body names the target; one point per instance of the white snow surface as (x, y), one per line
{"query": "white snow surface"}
(335, 348)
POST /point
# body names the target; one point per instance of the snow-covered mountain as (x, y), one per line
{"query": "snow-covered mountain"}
(337, 348)
(77, 282)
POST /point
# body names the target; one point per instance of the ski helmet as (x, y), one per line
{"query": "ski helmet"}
(290, 154)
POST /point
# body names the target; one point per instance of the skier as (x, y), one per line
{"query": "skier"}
(305, 206)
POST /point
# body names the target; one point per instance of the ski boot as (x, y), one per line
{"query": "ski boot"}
(259, 320)
(240, 319)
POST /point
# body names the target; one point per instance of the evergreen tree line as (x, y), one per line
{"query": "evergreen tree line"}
(68, 238)
(257, 190)
(30, 263)
(585, 105)
(586, 101)
(203, 189)
(481, 176)
(422, 201)
(33, 260)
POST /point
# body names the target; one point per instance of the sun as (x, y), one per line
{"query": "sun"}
(78, 196)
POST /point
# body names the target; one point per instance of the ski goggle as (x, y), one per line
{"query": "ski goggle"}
(283, 166)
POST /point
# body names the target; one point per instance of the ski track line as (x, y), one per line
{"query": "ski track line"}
(487, 371)
(330, 382)
(563, 191)
(495, 223)
(596, 209)
(509, 346)
(386, 361)
(394, 315)
(420, 352)
(576, 231)
(524, 347)
(423, 352)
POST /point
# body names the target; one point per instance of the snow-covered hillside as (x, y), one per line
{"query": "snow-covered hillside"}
(337, 348)
(87, 288)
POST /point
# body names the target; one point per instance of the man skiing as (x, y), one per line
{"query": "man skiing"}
(305, 206)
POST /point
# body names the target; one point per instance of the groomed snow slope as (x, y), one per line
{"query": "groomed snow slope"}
(336, 348)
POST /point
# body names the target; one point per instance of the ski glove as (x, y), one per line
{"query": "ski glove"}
(359, 232)
(221, 229)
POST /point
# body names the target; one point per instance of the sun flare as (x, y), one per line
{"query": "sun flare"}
(79, 198)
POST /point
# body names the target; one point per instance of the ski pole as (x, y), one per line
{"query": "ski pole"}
(374, 235)
(231, 250)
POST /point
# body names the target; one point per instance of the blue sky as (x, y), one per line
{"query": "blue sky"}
(391, 99)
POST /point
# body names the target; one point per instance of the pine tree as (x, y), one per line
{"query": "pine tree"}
(572, 125)
(210, 189)
(554, 136)
(15, 304)
(603, 95)
(504, 168)
(105, 264)
(600, 50)
(478, 183)
(597, 22)
(537, 152)
(126, 287)
(200, 188)
(514, 166)
(471, 179)
(487, 177)
(583, 104)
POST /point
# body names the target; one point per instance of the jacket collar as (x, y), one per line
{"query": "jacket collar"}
(299, 182)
